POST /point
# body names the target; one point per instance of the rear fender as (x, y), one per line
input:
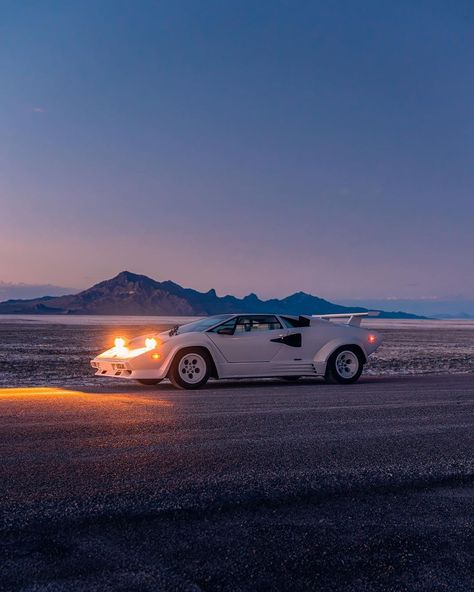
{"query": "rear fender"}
(323, 355)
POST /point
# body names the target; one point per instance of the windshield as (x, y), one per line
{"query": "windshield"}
(202, 324)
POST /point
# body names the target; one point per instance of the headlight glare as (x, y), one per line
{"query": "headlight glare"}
(150, 343)
(119, 342)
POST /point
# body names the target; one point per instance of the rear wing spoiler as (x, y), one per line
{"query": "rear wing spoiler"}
(355, 318)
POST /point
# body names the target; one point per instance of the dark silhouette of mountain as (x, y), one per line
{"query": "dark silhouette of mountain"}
(132, 294)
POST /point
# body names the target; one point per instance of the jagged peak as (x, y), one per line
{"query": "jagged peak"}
(122, 279)
(129, 276)
(301, 295)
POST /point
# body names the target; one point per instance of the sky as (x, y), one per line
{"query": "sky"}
(263, 147)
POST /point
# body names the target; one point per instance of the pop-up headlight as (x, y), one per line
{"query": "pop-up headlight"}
(150, 343)
(119, 342)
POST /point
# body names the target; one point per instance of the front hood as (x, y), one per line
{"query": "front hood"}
(164, 336)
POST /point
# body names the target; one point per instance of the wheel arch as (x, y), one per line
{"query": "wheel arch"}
(324, 354)
(195, 348)
(352, 346)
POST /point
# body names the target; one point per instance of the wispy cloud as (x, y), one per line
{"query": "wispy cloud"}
(38, 110)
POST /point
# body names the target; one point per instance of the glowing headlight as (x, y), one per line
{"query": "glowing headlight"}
(119, 342)
(150, 343)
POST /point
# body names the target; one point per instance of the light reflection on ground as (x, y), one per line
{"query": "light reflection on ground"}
(31, 391)
(94, 398)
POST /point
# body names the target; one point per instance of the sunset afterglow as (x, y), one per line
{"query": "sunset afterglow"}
(264, 148)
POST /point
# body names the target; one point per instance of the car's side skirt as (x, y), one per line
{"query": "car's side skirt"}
(268, 369)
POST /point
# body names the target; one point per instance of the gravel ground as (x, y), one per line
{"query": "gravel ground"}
(239, 487)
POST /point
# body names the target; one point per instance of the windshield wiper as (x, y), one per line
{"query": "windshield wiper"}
(173, 331)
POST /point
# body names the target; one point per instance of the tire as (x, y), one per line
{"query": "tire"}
(290, 378)
(190, 368)
(149, 381)
(344, 366)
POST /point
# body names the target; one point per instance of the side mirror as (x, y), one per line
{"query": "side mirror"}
(225, 331)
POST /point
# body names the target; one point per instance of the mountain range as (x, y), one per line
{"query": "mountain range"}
(132, 294)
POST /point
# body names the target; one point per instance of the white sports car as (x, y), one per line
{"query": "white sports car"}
(244, 346)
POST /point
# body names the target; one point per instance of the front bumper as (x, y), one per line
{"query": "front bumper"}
(111, 369)
(117, 368)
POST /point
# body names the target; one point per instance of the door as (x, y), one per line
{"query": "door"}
(249, 338)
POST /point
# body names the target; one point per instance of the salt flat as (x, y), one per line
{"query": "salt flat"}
(56, 350)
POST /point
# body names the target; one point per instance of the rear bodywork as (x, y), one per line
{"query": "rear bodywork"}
(293, 346)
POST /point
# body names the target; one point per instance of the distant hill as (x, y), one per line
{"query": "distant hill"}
(132, 294)
(461, 316)
(9, 290)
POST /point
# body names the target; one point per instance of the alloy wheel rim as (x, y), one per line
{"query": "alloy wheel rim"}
(192, 368)
(347, 364)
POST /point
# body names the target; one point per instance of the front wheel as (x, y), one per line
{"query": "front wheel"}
(344, 366)
(190, 369)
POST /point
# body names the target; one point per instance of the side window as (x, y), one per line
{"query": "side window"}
(257, 323)
(288, 322)
(230, 325)
(301, 321)
(244, 325)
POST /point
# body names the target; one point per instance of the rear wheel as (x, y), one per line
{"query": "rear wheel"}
(149, 381)
(190, 369)
(344, 366)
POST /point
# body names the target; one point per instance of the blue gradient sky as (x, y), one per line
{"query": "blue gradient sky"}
(247, 146)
